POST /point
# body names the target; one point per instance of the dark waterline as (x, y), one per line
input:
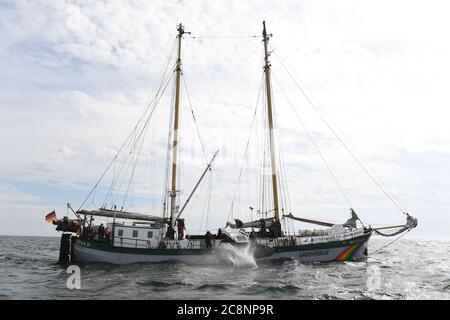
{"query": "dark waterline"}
(409, 269)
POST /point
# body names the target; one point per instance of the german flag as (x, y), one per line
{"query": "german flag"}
(51, 216)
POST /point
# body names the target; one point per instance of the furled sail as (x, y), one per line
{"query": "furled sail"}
(252, 224)
(121, 215)
(411, 223)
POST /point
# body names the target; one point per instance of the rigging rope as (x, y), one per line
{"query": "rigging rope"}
(221, 185)
(165, 195)
(246, 149)
(208, 201)
(202, 143)
(133, 170)
(146, 109)
(337, 136)
(204, 151)
(112, 187)
(314, 144)
(351, 144)
(206, 204)
(282, 179)
(195, 120)
(385, 246)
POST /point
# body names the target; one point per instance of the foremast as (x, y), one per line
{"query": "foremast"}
(273, 161)
(176, 119)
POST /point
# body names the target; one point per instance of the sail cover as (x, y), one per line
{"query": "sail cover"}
(252, 224)
(121, 215)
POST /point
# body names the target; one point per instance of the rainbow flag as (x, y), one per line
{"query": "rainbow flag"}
(51, 216)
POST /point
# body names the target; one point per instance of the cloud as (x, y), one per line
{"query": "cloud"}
(10, 194)
(75, 76)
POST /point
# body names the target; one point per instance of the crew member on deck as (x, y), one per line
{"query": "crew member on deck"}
(181, 228)
(170, 233)
(101, 231)
(107, 235)
(208, 237)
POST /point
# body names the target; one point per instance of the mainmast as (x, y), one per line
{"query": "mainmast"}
(271, 125)
(173, 190)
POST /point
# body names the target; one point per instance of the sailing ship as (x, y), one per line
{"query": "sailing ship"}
(131, 237)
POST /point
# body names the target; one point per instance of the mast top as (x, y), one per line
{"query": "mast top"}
(265, 35)
(181, 31)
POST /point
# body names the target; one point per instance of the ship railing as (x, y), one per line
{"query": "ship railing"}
(303, 240)
(330, 238)
(172, 244)
(129, 242)
(191, 244)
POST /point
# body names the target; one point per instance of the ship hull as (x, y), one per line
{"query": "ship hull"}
(84, 251)
(324, 255)
(351, 249)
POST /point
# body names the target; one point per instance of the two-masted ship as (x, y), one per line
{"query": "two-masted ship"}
(130, 237)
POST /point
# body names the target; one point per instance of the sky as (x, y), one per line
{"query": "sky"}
(76, 75)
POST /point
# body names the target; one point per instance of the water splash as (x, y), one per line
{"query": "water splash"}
(236, 256)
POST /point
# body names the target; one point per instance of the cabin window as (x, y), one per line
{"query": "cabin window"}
(120, 232)
(150, 234)
(135, 233)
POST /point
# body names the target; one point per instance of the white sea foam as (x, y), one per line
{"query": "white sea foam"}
(237, 256)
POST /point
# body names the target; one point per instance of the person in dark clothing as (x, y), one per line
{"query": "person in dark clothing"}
(262, 231)
(208, 238)
(170, 233)
(275, 229)
(181, 228)
(101, 231)
(107, 235)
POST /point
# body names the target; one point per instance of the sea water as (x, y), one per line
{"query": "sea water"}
(408, 269)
